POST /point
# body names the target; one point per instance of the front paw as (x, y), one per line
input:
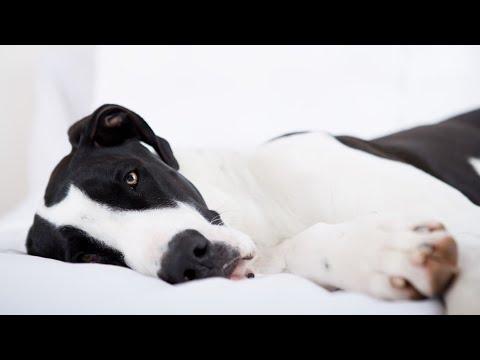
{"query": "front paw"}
(418, 261)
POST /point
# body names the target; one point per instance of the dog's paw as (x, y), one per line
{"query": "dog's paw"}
(417, 261)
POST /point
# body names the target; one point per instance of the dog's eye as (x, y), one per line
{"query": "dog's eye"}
(90, 258)
(132, 178)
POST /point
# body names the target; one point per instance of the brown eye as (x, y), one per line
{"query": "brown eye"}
(132, 179)
(91, 258)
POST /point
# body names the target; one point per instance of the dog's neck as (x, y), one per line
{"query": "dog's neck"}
(231, 186)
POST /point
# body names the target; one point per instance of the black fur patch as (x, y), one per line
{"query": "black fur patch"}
(105, 149)
(442, 150)
(67, 244)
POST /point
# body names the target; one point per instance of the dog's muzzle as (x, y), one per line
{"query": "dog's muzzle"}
(191, 256)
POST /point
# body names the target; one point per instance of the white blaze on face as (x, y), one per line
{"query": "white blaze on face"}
(142, 236)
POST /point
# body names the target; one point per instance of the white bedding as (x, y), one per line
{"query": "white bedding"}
(155, 84)
(32, 285)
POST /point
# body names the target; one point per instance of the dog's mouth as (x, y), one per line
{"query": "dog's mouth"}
(237, 269)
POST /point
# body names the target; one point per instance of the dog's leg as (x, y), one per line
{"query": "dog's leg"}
(387, 257)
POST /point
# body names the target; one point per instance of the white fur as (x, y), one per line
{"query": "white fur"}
(142, 236)
(363, 255)
(283, 187)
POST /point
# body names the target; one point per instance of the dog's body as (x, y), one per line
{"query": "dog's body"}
(343, 212)
(274, 194)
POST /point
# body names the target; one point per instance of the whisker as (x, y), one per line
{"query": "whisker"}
(218, 216)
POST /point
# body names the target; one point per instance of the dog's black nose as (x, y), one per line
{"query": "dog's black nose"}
(191, 256)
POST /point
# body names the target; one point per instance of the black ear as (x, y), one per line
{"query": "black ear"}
(111, 125)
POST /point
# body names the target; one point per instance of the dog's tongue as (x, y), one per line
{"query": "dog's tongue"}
(241, 271)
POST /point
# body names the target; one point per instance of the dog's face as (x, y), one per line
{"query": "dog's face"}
(113, 201)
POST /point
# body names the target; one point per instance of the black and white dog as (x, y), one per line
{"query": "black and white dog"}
(346, 213)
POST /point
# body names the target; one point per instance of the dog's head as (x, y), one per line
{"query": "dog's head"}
(113, 201)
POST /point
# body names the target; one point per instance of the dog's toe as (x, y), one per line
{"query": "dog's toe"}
(438, 260)
(436, 256)
(421, 262)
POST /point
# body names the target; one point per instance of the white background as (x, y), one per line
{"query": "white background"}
(221, 96)
(34, 85)
(233, 95)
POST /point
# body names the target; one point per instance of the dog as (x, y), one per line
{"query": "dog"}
(396, 217)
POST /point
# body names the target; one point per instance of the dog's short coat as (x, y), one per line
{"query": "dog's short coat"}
(369, 216)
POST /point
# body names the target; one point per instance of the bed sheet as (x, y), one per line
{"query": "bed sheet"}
(33, 285)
